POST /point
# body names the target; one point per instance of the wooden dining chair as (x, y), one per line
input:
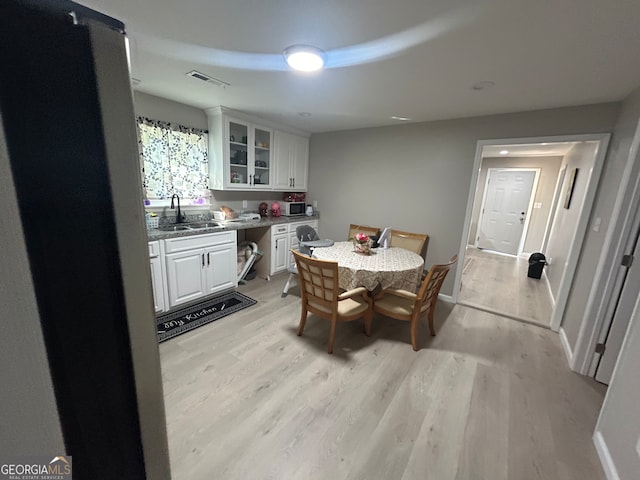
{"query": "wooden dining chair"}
(408, 306)
(410, 241)
(353, 229)
(321, 296)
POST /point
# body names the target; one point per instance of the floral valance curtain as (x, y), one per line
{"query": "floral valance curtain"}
(174, 159)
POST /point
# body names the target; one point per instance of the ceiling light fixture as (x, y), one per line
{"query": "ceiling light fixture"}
(504, 152)
(401, 119)
(304, 58)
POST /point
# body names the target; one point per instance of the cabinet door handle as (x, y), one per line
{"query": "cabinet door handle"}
(203, 260)
(294, 182)
(208, 261)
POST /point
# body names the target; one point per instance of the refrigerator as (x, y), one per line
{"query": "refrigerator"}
(80, 367)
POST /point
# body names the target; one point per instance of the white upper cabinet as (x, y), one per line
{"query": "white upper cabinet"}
(291, 154)
(247, 154)
(239, 153)
(299, 162)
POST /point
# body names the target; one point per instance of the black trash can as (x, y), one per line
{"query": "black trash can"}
(537, 261)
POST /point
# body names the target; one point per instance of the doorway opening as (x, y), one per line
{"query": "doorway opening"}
(527, 196)
(507, 201)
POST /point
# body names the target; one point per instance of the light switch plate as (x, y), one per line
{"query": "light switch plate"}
(244, 204)
(638, 446)
(315, 204)
(596, 224)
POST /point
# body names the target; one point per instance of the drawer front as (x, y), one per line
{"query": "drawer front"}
(154, 249)
(199, 241)
(312, 223)
(280, 229)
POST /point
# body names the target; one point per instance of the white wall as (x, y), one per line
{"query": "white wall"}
(582, 156)
(158, 108)
(29, 421)
(417, 177)
(618, 428)
(609, 186)
(549, 168)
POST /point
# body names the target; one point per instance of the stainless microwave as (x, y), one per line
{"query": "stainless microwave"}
(293, 208)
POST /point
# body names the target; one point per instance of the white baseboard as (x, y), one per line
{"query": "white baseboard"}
(546, 279)
(445, 298)
(608, 466)
(566, 346)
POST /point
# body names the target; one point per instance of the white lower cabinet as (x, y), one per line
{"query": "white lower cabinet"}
(279, 248)
(200, 265)
(185, 276)
(222, 268)
(279, 254)
(157, 277)
(276, 243)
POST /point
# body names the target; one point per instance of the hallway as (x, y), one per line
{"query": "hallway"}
(499, 284)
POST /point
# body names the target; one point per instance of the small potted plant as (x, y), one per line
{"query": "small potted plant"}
(362, 243)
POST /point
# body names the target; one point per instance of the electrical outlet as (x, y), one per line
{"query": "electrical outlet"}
(315, 204)
(638, 446)
(244, 204)
(537, 205)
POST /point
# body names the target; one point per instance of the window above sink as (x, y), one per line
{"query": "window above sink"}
(174, 160)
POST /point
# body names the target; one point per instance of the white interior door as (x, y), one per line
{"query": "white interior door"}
(622, 309)
(506, 204)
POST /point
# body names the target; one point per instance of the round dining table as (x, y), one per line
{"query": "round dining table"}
(393, 267)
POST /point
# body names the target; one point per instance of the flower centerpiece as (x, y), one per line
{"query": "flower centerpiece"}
(362, 243)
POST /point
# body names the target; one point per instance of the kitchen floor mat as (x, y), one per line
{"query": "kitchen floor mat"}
(176, 323)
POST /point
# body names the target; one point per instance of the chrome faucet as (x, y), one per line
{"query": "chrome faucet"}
(179, 217)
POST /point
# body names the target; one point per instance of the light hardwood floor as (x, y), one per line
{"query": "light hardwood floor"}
(499, 284)
(487, 398)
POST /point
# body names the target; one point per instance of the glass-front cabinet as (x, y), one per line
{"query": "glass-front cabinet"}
(262, 156)
(240, 153)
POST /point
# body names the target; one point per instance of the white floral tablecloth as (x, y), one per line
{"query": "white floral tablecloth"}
(391, 268)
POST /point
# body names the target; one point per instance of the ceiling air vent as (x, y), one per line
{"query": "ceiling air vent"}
(207, 78)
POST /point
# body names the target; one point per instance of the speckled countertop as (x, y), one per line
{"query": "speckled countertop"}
(155, 234)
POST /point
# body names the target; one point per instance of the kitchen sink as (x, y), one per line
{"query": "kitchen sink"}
(181, 227)
(199, 225)
(174, 228)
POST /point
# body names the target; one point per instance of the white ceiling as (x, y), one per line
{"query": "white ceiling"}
(410, 58)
